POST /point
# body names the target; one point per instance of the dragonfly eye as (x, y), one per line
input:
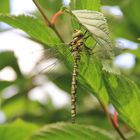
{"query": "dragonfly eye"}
(77, 33)
(80, 36)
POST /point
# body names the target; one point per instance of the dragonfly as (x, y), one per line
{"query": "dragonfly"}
(76, 47)
(74, 50)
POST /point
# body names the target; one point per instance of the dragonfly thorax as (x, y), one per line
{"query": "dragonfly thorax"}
(77, 43)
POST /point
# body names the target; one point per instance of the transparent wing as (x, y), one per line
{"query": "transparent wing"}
(57, 55)
(50, 66)
(52, 59)
(60, 55)
(106, 56)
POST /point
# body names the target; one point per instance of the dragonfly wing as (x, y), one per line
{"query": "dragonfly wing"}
(52, 57)
(53, 50)
(62, 50)
(106, 57)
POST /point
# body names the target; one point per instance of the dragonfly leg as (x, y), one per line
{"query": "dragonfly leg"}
(85, 38)
(88, 50)
(85, 33)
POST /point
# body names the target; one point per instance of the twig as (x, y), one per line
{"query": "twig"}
(47, 21)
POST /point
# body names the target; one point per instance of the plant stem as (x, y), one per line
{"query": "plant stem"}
(47, 21)
(112, 121)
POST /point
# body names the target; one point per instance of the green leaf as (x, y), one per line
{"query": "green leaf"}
(32, 26)
(85, 4)
(4, 6)
(125, 96)
(8, 59)
(91, 77)
(19, 130)
(63, 131)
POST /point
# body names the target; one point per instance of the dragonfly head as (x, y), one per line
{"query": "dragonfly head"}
(77, 33)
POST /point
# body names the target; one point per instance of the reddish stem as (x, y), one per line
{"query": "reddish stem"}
(115, 119)
(53, 20)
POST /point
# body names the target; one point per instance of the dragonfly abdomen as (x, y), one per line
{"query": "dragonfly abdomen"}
(77, 45)
(73, 90)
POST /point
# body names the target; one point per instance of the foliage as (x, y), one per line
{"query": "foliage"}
(96, 74)
(68, 131)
